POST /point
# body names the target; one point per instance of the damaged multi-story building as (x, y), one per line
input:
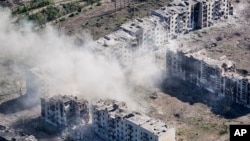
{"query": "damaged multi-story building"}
(142, 36)
(153, 33)
(183, 16)
(218, 76)
(150, 35)
(113, 121)
(63, 111)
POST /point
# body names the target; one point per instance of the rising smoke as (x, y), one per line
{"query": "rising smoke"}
(68, 68)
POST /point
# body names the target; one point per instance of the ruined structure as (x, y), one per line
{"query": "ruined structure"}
(8, 134)
(141, 37)
(183, 16)
(62, 111)
(148, 36)
(217, 76)
(113, 121)
(152, 34)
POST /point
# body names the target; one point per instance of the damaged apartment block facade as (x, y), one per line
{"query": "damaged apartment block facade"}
(148, 36)
(63, 111)
(183, 16)
(112, 121)
(180, 17)
(217, 76)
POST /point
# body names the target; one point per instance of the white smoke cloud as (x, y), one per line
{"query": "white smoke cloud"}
(68, 68)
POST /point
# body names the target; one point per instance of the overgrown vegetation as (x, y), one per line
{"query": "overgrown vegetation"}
(52, 13)
(71, 7)
(32, 5)
(46, 15)
(104, 24)
(91, 2)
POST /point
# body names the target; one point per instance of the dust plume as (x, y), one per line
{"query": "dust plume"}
(67, 68)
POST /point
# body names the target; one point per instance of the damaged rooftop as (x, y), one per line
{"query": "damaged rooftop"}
(232, 44)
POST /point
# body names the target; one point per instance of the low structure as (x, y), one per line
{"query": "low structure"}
(62, 111)
(112, 121)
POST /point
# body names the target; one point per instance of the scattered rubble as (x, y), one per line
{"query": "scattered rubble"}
(7, 134)
(112, 120)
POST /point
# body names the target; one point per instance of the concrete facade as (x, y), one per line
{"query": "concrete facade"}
(183, 16)
(134, 39)
(217, 76)
(150, 34)
(112, 121)
(62, 111)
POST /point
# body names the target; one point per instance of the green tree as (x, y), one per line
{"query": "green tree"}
(39, 18)
(52, 13)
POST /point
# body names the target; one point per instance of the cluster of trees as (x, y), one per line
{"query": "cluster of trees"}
(52, 13)
(71, 7)
(32, 5)
(48, 14)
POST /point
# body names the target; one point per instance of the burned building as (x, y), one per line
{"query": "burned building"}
(113, 121)
(62, 111)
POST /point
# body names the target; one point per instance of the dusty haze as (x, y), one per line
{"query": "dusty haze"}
(69, 68)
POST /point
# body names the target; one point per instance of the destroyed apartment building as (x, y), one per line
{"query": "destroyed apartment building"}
(141, 37)
(218, 76)
(183, 16)
(63, 111)
(150, 35)
(180, 17)
(113, 121)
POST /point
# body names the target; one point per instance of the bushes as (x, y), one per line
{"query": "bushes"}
(21, 9)
(99, 4)
(49, 14)
(72, 15)
(38, 18)
(40, 3)
(32, 5)
(71, 7)
(52, 13)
